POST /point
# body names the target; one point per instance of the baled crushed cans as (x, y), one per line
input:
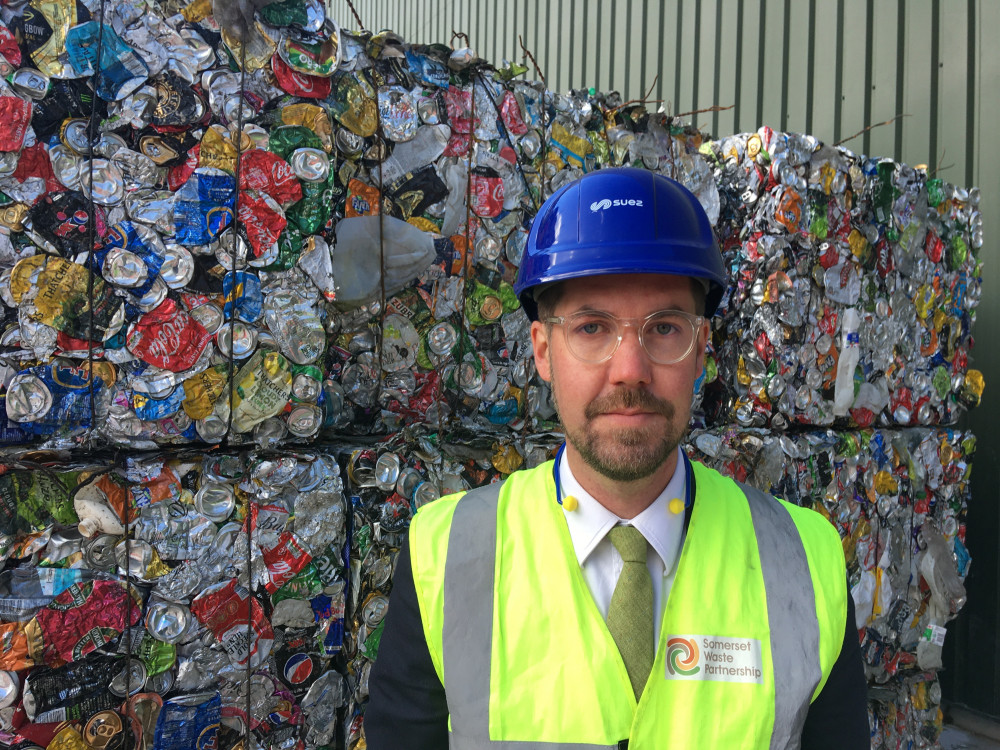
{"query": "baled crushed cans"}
(235, 267)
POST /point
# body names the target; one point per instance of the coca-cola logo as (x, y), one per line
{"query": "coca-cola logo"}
(165, 339)
(303, 83)
(282, 572)
(490, 189)
(282, 173)
(173, 344)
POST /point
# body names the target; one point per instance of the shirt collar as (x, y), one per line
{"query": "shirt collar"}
(591, 521)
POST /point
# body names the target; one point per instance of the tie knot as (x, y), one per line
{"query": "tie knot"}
(630, 543)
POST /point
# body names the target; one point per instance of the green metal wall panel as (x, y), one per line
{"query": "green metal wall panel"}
(825, 67)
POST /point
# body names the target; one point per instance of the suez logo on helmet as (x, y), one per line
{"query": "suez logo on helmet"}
(608, 203)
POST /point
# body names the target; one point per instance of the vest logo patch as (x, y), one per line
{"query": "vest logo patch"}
(711, 657)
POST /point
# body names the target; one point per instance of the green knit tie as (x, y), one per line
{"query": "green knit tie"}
(630, 615)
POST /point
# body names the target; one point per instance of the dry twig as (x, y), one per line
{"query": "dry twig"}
(356, 16)
(941, 165)
(870, 127)
(645, 99)
(531, 57)
(715, 108)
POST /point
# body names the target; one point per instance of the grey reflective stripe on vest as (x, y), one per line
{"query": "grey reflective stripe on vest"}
(791, 615)
(467, 637)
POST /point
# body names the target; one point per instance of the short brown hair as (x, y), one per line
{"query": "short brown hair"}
(548, 299)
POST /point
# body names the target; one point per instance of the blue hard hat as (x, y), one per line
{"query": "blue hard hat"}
(622, 220)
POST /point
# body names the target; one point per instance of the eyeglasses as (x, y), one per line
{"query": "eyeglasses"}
(667, 336)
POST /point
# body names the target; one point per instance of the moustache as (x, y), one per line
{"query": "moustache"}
(626, 398)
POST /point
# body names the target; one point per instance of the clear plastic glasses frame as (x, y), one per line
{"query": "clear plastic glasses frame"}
(593, 336)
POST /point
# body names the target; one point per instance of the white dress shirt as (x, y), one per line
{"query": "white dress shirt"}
(590, 523)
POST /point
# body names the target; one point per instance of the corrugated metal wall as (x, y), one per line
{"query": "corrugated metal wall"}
(825, 67)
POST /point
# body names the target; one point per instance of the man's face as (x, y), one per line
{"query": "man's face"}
(624, 417)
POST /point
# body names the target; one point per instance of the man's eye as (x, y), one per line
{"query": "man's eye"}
(592, 328)
(665, 329)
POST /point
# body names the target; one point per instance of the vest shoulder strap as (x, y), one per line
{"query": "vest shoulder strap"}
(791, 615)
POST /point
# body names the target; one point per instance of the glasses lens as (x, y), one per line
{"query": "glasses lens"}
(591, 336)
(667, 337)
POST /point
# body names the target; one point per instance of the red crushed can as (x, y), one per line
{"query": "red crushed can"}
(284, 560)
(458, 103)
(262, 220)
(15, 119)
(487, 192)
(884, 262)
(34, 162)
(268, 173)
(179, 174)
(510, 113)
(299, 84)
(829, 257)
(168, 338)
(458, 144)
(237, 620)
(81, 619)
(934, 247)
(8, 47)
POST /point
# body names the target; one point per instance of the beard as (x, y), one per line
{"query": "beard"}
(626, 454)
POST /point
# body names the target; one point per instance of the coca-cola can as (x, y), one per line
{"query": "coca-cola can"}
(487, 192)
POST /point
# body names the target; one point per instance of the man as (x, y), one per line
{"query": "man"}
(620, 596)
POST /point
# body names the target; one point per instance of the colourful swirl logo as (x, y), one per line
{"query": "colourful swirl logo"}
(683, 656)
(598, 205)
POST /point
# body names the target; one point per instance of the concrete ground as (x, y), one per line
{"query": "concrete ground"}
(966, 730)
(954, 738)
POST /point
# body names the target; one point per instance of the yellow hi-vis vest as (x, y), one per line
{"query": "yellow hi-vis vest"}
(753, 624)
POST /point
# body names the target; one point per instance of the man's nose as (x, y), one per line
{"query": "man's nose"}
(630, 364)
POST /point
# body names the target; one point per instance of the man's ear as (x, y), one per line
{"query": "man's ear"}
(540, 345)
(701, 342)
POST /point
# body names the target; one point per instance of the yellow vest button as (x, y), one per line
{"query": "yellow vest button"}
(676, 506)
(570, 503)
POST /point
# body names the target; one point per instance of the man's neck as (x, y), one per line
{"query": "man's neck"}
(624, 499)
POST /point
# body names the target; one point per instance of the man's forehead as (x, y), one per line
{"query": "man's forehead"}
(616, 290)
